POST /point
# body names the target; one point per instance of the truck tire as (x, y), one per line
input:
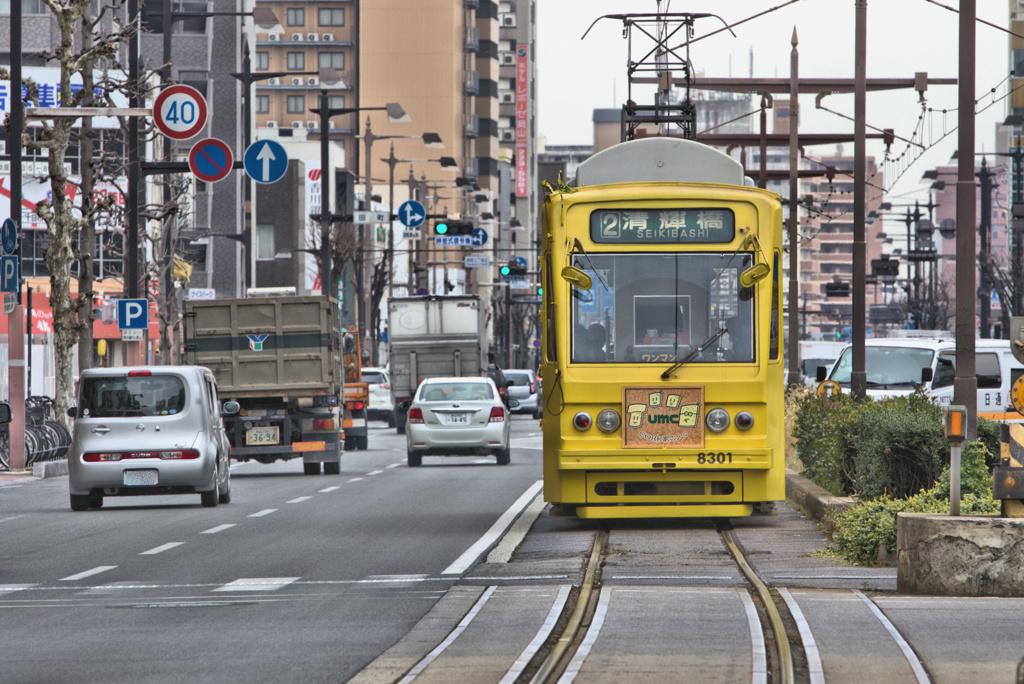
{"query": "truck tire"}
(400, 419)
(391, 420)
(332, 468)
(415, 460)
(311, 468)
(362, 442)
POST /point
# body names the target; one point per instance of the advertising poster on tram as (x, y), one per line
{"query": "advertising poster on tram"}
(663, 417)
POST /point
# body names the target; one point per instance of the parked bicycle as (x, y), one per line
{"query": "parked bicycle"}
(45, 438)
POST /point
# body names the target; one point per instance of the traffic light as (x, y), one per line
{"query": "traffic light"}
(513, 268)
(837, 289)
(453, 227)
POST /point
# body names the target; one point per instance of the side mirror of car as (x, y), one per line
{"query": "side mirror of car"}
(5, 413)
(404, 405)
(820, 373)
(230, 408)
(512, 403)
(72, 412)
(926, 374)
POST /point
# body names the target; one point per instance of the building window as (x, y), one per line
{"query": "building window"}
(296, 104)
(192, 25)
(262, 61)
(332, 16)
(27, 7)
(336, 101)
(265, 241)
(335, 60)
(296, 16)
(296, 60)
(262, 104)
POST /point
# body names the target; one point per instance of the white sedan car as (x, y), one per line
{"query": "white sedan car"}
(457, 417)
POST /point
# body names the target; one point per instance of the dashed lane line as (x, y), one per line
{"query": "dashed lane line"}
(355, 479)
(160, 549)
(88, 573)
(300, 499)
(218, 528)
(260, 514)
(329, 489)
(374, 472)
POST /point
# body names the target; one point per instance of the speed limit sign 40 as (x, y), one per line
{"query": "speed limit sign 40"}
(180, 112)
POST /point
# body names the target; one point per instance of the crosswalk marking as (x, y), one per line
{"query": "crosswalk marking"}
(257, 584)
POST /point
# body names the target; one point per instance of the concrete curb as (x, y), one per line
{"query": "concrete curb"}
(819, 503)
(48, 469)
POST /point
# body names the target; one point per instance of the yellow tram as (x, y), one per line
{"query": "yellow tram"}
(662, 360)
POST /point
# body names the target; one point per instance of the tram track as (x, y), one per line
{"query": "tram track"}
(558, 663)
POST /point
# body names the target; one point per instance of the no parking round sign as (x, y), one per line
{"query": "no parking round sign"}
(210, 160)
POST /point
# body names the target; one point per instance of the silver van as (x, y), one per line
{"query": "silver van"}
(143, 430)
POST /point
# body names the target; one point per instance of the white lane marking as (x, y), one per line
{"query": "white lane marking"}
(218, 528)
(473, 552)
(15, 587)
(588, 641)
(265, 511)
(908, 651)
(300, 499)
(814, 667)
(759, 669)
(459, 629)
(538, 640)
(160, 549)
(375, 472)
(329, 489)
(257, 584)
(355, 479)
(502, 553)
(717, 578)
(393, 465)
(13, 517)
(88, 573)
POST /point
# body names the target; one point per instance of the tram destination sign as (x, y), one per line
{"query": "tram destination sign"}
(662, 226)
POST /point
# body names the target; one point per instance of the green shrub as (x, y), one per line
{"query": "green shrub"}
(860, 531)
(896, 446)
(820, 435)
(988, 433)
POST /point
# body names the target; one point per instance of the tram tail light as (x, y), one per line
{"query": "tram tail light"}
(497, 415)
(415, 415)
(582, 421)
(744, 420)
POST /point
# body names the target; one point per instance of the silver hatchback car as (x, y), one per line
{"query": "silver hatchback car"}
(457, 416)
(148, 430)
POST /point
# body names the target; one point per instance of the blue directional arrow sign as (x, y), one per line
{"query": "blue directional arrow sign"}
(479, 237)
(265, 161)
(9, 236)
(412, 213)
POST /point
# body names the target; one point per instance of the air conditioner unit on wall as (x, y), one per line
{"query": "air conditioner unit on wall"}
(507, 135)
(296, 124)
(311, 125)
(312, 80)
(506, 97)
(507, 59)
(296, 81)
(272, 81)
(273, 37)
(331, 125)
(296, 37)
(312, 37)
(507, 20)
(329, 37)
(271, 124)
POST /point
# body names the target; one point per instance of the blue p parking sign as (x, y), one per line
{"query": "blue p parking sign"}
(132, 314)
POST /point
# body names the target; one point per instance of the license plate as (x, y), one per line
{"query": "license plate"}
(456, 419)
(262, 436)
(139, 478)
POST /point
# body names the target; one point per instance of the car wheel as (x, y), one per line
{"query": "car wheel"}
(504, 456)
(95, 501)
(311, 468)
(415, 460)
(209, 499)
(79, 502)
(332, 468)
(362, 443)
(225, 496)
(538, 412)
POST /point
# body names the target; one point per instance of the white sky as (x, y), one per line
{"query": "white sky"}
(904, 37)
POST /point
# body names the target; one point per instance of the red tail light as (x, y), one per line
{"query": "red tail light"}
(356, 405)
(531, 388)
(415, 415)
(323, 424)
(138, 374)
(497, 415)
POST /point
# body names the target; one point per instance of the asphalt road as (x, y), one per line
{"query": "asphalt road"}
(300, 578)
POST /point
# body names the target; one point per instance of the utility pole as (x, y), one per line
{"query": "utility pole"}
(794, 235)
(985, 286)
(859, 376)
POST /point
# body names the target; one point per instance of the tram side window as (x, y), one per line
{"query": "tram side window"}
(549, 297)
(773, 344)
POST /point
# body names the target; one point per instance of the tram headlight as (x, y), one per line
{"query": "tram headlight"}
(744, 420)
(717, 420)
(582, 421)
(608, 420)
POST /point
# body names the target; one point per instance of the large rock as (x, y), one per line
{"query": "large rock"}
(959, 556)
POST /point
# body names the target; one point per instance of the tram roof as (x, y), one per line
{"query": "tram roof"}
(651, 160)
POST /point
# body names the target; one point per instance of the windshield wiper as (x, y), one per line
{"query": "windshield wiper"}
(696, 352)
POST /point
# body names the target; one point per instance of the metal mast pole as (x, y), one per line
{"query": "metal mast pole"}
(859, 377)
(794, 238)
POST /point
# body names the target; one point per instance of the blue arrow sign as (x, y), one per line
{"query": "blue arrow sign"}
(132, 314)
(479, 237)
(265, 161)
(412, 213)
(8, 274)
(9, 236)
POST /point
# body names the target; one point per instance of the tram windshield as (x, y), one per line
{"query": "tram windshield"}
(656, 308)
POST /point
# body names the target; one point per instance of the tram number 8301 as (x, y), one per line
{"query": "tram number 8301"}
(713, 458)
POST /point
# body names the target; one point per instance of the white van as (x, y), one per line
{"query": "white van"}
(896, 366)
(817, 353)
